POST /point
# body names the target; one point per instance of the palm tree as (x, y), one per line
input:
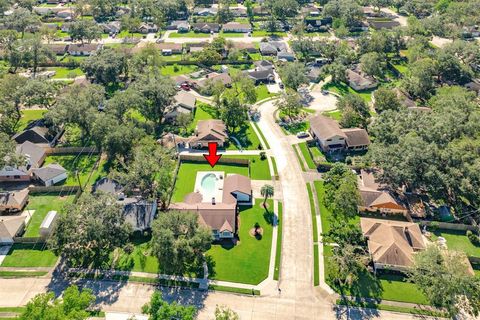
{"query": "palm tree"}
(266, 192)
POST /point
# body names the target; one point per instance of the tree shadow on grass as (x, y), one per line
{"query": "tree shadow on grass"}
(269, 216)
(242, 135)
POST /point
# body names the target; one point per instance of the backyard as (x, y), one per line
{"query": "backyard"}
(42, 204)
(248, 260)
(28, 116)
(175, 70)
(83, 163)
(65, 73)
(29, 255)
(458, 241)
(342, 89)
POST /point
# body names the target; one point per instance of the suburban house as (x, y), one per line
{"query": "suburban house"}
(34, 154)
(38, 133)
(375, 197)
(14, 174)
(473, 86)
(169, 48)
(86, 49)
(382, 24)
(261, 76)
(392, 244)
(214, 76)
(50, 174)
(261, 11)
(263, 65)
(271, 48)
(13, 201)
(179, 25)
(206, 27)
(58, 49)
(10, 227)
(286, 56)
(184, 103)
(237, 27)
(330, 137)
(213, 130)
(245, 46)
(66, 26)
(66, 14)
(147, 28)
(238, 12)
(136, 210)
(358, 81)
(111, 27)
(205, 12)
(221, 217)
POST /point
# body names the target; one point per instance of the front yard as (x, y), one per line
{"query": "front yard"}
(342, 89)
(248, 260)
(190, 34)
(247, 137)
(42, 204)
(28, 255)
(140, 260)
(175, 70)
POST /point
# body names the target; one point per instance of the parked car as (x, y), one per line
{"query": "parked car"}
(185, 87)
(302, 134)
(281, 85)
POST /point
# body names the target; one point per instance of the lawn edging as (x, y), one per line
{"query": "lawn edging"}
(302, 164)
(252, 292)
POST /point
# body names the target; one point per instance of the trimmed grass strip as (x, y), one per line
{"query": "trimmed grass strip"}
(22, 274)
(234, 290)
(313, 212)
(306, 155)
(299, 158)
(274, 165)
(316, 267)
(278, 251)
(267, 146)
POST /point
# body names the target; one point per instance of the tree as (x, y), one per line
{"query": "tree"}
(354, 110)
(386, 99)
(232, 111)
(225, 313)
(78, 106)
(130, 23)
(245, 88)
(148, 172)
(346, 264)
(443, 277)
(183, 120)
(341, 192)
(419, 79)
(208, 56)
(289, 103)
(85, 30)
(105, 66)
(293, 75)
(159, 309)
(114, 138)
(336, 70)
(21, 19)
(8, 156)
(373, 64)
(122, 102)
(267, 192)
(73, 305)
(9, 118)
(347, 11)
(179, 242)
(450, 69)
(34, 52)
(92, 228)
(146, 61)
(157, 92)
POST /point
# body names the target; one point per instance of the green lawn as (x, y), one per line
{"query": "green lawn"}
(295, 128)
(232, 34)
(175, 70)
(278, 249)
(306, 155)
(126, 34)
(313, 212)
(188, 171)
(343, 89)
(248, 260)
(262, 92)
(203, 111)
(42, 204)
(316, 267)
(259, 169)
(458, 241)
(335, 115)
(27, 255)
(402, 68)
(84, 164)
(265, 33)
(261, 134)
(324, 212)
(190, 34)
(140, 260)
(63, 72)
(274, 165)
(298, 157)
(29, 116)
(247, 137)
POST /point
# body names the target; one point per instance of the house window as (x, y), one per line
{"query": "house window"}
(16, 177)
(226, 234)
(341, 139)
(329, 139)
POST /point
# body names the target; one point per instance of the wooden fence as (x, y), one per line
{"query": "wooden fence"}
(446, 225)
(200, 158)
(71, 150)
(53, 189)
(29, 240)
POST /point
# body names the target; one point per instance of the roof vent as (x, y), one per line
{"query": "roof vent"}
(213, 200)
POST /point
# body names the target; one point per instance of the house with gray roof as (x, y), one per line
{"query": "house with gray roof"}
(13, 201)
(360, 81)
(184, 102)
(38, 133)
(50, 174)
(10, 227)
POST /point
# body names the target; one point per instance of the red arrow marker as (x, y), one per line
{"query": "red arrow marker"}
(212, 156)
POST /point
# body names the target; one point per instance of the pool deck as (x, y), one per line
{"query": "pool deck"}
(207, 196)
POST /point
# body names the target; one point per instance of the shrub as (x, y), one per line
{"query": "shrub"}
(474, 239)
(175, 68)
(128, 248)
(260, 146)
(434, 225)
(263, 155)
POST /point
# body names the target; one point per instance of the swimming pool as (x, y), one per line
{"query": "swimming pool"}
(208, 184)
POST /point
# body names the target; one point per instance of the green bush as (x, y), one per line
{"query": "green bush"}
(474, 239)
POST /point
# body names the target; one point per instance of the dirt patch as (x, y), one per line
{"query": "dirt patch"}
(258, 233)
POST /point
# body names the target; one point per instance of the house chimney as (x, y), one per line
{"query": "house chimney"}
(213, 200)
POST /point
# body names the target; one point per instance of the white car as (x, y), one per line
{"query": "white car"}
(302, 134)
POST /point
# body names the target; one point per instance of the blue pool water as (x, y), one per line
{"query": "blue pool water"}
(208, 184)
